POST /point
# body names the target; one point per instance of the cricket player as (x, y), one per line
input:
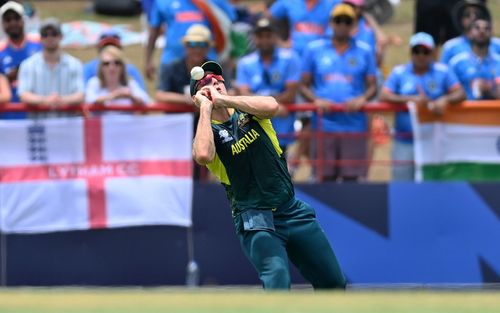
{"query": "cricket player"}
(236, 141)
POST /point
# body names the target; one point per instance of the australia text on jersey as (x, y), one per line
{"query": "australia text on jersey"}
(244, 142)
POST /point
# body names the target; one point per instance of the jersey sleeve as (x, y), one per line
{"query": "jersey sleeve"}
(392, 82)
(279, 10)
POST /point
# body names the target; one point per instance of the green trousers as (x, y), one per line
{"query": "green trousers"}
(270, 238)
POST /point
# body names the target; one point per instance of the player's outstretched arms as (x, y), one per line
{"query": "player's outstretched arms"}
(260, 106)
(203, 145)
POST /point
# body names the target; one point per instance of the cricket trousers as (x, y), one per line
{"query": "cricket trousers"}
(270, 238)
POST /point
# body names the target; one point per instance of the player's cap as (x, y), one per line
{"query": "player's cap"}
(263, 24)
(109, 37)
(356, 3)
(12, 6)
(422, 39)
(51, 23)
(343, 9)
(208, 67)
(197, 33)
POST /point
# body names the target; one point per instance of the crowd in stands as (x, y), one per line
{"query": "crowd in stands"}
(332, 52)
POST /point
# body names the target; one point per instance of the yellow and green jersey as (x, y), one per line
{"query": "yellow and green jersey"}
(250, 163)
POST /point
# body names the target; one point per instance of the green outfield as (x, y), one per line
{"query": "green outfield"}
(104, 300)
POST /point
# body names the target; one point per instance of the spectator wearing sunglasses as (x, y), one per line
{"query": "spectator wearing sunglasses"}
(478, 70)
(18, 47)
(467, 11)
(341, 70)
(51, 77)
(174, 78)
(112, 85)
(271, 71)
(425, 83)
(110, 38)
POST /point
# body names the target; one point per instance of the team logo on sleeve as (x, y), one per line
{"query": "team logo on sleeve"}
(224, 136)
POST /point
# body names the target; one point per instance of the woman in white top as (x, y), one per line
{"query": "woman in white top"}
(112, 85)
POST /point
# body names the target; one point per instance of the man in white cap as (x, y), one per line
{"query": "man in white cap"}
(15, 50)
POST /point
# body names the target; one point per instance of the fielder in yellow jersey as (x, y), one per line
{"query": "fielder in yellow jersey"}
(236, 141)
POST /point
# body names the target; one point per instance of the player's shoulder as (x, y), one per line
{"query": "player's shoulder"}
(451, 43)
(317, 44)
(400, 69)
(286, 53)
(363, 46)
(441, 68)
(459, 58)
(249, 59)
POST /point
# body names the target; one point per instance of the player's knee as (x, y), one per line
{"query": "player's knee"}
(276, 275)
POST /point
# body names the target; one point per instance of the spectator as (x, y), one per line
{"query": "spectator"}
(467, 11)
(177, 16)
(112, 85)
(341, 70)
(308, 19)
(425, 83)
(5, 92)
(110, 38)
(271, 71)
(51, 77)
(18, 48)
(173, 83)
(478, 70)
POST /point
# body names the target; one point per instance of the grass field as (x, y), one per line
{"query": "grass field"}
(76, 300)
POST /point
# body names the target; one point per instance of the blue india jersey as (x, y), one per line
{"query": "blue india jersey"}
(340, 77)
(271, 79)
(461, 44)
(11, 57)
(306, 24)
(469, 68)
(178, 16)
(436, 82)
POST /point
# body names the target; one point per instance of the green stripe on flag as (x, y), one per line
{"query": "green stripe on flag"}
(462, 171)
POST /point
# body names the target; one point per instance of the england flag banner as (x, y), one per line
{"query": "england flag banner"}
(114, 171)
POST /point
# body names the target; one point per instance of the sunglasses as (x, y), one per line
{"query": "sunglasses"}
(14, 17)
(420, 50)
(197, 44)
(343, 20)
(207, 80)
(49, 34)
(115, 63)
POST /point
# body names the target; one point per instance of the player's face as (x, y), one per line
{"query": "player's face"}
(481, 32)
(342, 27)
(469, 14)
(265, 41)
(196, 51)
(50, 39)
(421, 57)
(216, 81)
(13, 24)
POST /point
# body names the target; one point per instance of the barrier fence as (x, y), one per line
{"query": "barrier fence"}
(379, 135)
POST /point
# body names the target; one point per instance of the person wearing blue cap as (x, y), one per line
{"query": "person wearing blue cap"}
(236, 141)
(425, 83)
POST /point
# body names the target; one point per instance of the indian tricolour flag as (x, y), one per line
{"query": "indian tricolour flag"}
(115, 171)
(461, 144)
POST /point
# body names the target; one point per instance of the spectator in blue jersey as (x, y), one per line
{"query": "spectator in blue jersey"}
(478, 70)
(177, 16)
(308, 19)
(467, 11)
(51, 77)
(271, 71)
(110, 38)
(341, 70)
(17, 48)
(425, 83)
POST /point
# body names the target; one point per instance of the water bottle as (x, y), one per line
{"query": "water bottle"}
(192, 274)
